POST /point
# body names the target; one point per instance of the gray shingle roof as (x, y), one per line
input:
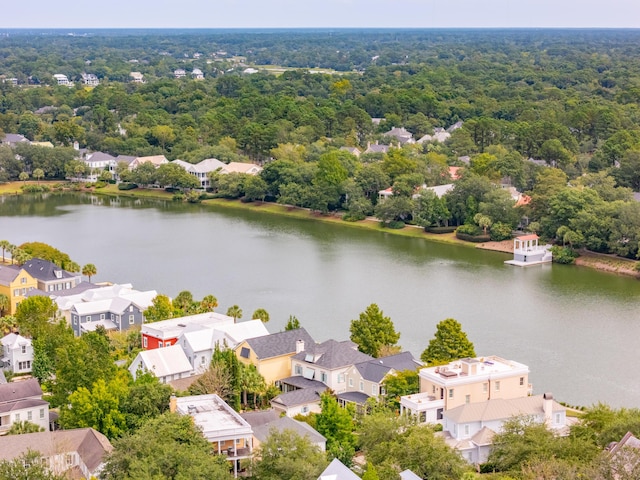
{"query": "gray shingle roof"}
(299, 397)
(261, 432)
(44, 270)
(11, 392)
(8, 274)
(299, 381)
(337, 471)
(278, 344)
(376, 369)
(332, 354)
(355, 397)
(260, 417)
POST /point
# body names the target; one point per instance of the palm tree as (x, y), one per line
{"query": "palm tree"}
(8, 324)
(24, 176)
(208, 303)
(12, 249)
(89, 270)
(38, 173)
(20, 256)
(183, 301)
(235, 311)
(5, 303)
(4, 245)
(261, 314)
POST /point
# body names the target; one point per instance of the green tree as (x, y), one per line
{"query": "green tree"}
(261, 314)
(293, 323)
(406, 382)
(168, 446)
(288, 456)
(18, 428)
(450, 343)
(46, 252)
(33, 314)
(27, 466)
(483, 221)
(208, 303)
(4, 245)
(183, 302)
(374, 333)
(251, 382)
(5, 304)
(89, 270)
(38, 174)
(23, 177)
(336, 424)
(234, 311)
(160, 309)
(430, 209)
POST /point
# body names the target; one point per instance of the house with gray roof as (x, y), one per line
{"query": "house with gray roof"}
(377, 148)
(328, 362)
(76, 453)
(299, 402)
(13, 139)
(271, 354)
(97, 162)
(51, 277)
(201, 170)
(16, 353)
(470, 428)
(367, 378)
(20, 401)
(401, 134)
(280, 424)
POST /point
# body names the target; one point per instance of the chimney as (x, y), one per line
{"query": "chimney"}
(173, 404)
(547, 408)
(299, 346)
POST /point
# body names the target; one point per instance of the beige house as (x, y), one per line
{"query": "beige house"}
(271, 354)
(464, 381)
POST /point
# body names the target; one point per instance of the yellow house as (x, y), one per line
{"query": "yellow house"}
(271, 354)
(15, 282)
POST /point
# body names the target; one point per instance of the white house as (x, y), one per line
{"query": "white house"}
(16, 353)
(470, 428)
(167, 364)
(90, 79)
(137, 77)
(179, 73)
(61, 79)
(197, 74)
(202, 169)
(22, 401)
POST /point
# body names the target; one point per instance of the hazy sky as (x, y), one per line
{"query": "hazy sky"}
(320, 13)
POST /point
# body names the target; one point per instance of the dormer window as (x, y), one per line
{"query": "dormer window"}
(58, 273)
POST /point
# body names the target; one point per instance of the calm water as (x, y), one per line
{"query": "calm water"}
(577, 329)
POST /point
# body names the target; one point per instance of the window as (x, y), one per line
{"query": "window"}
(160, 344)
(323, 377)
(17, 417)
(341, 378)
(131, 308)
(245, 352)
(132, 319)
(88, 318)
(485, 387)
(521, 381)
(202, 360)
(26, 365)
(23, 349)
(451, 393)
(102, 316)
(383, 391)
(42, 413)
(75, 319)
(305, 409)
(16, 292)
(466, 430)
(351, 382)
(69, 459)
(361, 386)
(298, 368)
(497, 385)
(433, 389)
(144, 342)
(557, 419)
(111, 316)
(467, 399)
(374, 389)
(29, 415)
(23, 280)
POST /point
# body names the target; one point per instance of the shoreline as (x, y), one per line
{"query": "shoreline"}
(602, 262)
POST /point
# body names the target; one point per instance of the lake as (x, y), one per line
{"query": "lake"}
(576, 328)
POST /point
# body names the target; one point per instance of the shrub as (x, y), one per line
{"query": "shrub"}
(100, 184)
(500, 231)
(178, 197)
(127, 186)
(564, 255)
(353, 217)
(35, 188)
(469, 229)
(396, 224)
(440, 230)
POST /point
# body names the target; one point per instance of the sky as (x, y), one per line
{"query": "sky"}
(80, 14)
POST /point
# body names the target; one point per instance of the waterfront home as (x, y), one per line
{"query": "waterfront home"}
(527, 251)
(327, 362)
(468, 380)
(470, 428)
(271, 354)
(50, 277)
(201, 170)
(22, 401)
(76, 453)
(367, 378)
(229, 434)
(166, 364)
(61, 79)
(155, 160)
(166, 332)
(241, 167)
(15, 283)
(16, 353)
(90, 79)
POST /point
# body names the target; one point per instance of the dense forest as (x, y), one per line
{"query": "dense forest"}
(552, 113)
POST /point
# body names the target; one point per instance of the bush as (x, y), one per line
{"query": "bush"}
(178, 197)
(500, 231)
(353, 217)
(100, 184)
(35, 188)
(440, 230)
(469, 229)
(127, 186)
(396, 225)
(564, 255)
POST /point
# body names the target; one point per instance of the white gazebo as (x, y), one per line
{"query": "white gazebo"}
(526, 251)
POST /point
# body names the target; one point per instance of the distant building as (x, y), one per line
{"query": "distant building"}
(13, 139)
(137, 77)
(51, 277)
(197, 74)
(401, 134)
(90, 79)
(61, 79)
(179, 73)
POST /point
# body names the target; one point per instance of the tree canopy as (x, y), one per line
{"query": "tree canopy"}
(450, 343)
(374, 333)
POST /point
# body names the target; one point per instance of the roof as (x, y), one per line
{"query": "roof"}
(299, 397)
(532, 236)
(409, 475)
(281, 424)
(337, 471)
(22, 404)
(484, 436)
(354, 397)
(213, 416)
(260, 417)
(99, 157)
(92, 326)
(299, 381)
(8, 274)
(11, 392)
(13, 340)
(240, 167)
(278, 344)
(332, 354)
(92, 446)
(375, 370)
(164, 361)
(45, 270)
(156, 160)
(499, 409)
(13, 138)
(173, 327)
